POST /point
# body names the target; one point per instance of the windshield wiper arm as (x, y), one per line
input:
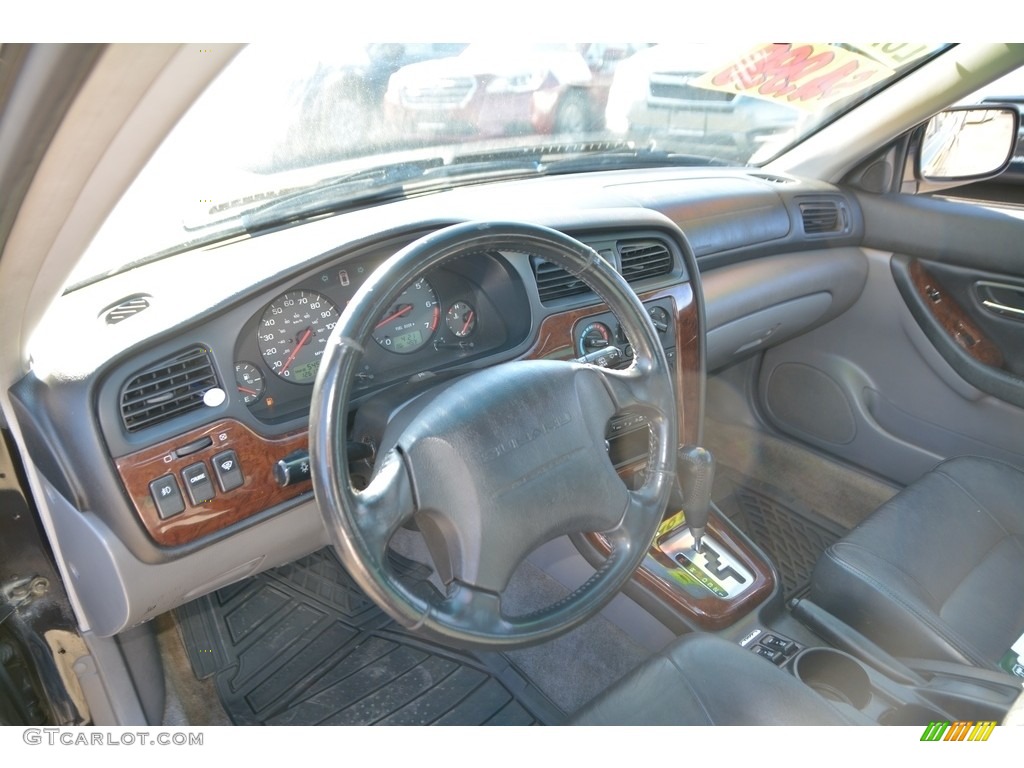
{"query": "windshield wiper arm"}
(249, 209)
(571, 157)
(646, 157)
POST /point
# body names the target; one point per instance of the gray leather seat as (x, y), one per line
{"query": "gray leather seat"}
(938, 571)
(704, 680)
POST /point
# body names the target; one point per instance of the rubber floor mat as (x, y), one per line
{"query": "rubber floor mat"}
(302, 645)
(792, 535)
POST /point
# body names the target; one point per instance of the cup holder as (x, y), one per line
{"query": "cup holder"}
(912, 714)
(835, 675)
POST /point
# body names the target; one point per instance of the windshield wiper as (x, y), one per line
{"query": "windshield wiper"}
(624, 159)
(416, 176)
(579, 156)
(253, 207)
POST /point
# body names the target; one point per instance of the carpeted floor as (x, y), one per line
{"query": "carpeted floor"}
(791, 501)
(829, 489)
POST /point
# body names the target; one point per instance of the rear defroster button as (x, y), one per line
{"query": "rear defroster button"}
(227, 470)
(197, 483)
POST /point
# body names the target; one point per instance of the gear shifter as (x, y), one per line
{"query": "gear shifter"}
(692, 493)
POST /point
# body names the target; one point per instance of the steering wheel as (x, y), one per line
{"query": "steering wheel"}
(498, 462)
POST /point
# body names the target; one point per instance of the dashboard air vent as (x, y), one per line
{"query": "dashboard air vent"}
(640, 259)
(553, 282)
(821, 216)
(773, 178)
(127, 307)
(170, 388)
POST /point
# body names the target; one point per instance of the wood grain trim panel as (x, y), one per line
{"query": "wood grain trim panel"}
(257, 454)
(707, 611)
(555, 340)
(259, 491)
(700, 607)
(967, 334)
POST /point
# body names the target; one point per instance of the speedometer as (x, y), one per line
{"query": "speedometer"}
(411, 320)
(293, 333)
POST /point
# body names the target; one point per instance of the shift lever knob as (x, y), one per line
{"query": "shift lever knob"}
(696, 475)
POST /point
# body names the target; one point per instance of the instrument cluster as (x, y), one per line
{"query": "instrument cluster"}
(471, 308)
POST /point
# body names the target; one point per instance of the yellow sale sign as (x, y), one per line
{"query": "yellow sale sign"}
(809, 76)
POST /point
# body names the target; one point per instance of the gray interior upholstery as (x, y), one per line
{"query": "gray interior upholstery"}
(938, 571)
(702, 679)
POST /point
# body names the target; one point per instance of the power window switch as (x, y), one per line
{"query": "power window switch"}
(197, 483)
(228, 471)
(780, 644)
(767, 653)
(167, 496)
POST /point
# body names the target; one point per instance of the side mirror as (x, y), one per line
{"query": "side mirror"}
(965, 144)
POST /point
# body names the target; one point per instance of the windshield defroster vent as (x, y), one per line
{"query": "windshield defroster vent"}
(822, 217)
(170, 388)
(641, 259)
(127, 307)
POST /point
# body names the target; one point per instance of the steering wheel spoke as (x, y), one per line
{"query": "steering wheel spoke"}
(384, 505)
(474, 610)
(630, 389)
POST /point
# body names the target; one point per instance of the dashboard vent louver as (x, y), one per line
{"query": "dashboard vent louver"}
(821, 216)
(127, 307)
(170, 388)
(553, 282)
(773, 178)
(641, 259)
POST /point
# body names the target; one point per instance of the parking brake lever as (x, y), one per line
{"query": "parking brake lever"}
(695, 473)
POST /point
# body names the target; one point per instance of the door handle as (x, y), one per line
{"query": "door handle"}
(1001, 298)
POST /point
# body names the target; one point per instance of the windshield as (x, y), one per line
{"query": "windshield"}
(283, 134)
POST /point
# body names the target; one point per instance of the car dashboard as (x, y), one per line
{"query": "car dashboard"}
(167, 407)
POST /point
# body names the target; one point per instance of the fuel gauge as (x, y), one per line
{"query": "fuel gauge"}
(249, 381)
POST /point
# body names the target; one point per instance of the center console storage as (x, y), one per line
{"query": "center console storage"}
(854, 672)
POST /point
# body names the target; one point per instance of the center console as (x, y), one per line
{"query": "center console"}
(853, 673)
(724, 584)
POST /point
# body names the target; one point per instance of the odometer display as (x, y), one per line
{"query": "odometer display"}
(293, 333)
(411, 320)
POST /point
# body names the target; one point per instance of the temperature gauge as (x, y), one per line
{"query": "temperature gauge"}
(594, 337)
(461, 319)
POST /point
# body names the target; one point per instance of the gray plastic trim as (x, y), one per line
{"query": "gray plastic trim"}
(116, 591)
(877, 347)
(765, 328)
(757, 304)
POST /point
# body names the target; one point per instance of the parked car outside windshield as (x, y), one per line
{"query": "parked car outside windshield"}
(321, 132)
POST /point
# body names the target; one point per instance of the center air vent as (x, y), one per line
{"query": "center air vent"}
(640, 259)
(553, 282)
(821, 217)
(170, 388)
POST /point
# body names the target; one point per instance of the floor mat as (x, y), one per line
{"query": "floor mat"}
(790, 533)
(302, 645)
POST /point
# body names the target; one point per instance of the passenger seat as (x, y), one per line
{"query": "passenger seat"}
(937, 572)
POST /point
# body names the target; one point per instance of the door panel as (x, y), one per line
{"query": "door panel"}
(921, 368)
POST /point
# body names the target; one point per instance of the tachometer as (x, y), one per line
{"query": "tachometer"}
(411, 320)
(293, 332)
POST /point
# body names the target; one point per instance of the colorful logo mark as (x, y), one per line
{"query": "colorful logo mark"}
(962, 730)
